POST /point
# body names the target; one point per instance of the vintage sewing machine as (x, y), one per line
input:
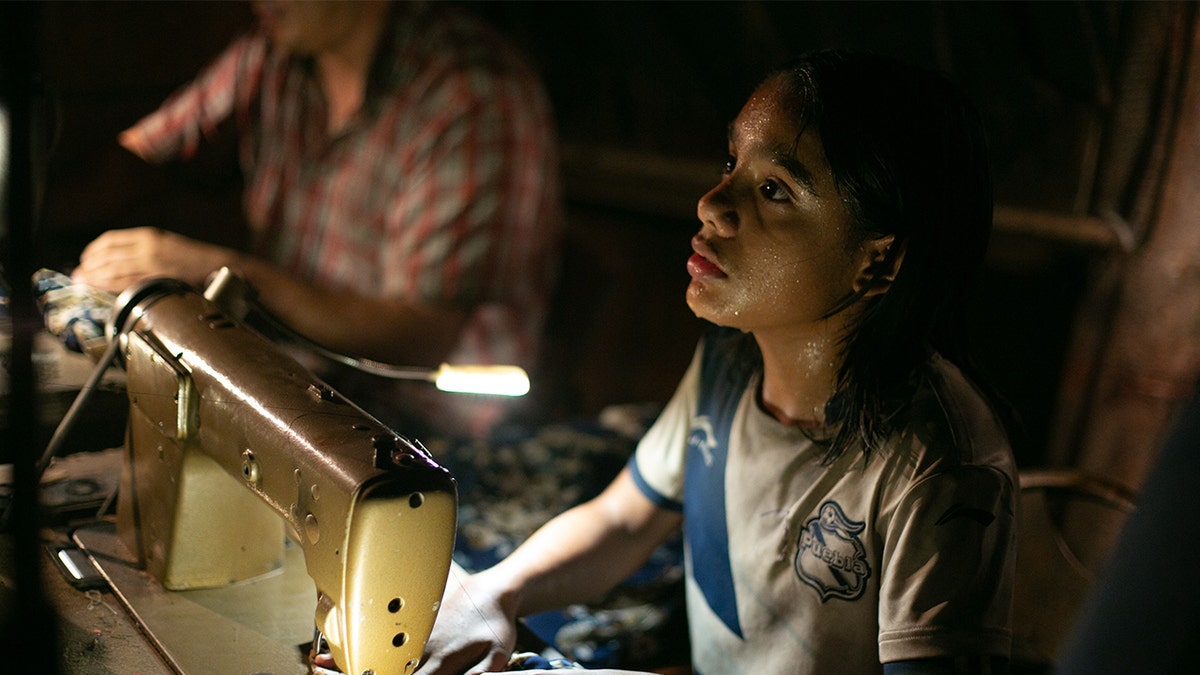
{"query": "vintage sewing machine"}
(233, 448)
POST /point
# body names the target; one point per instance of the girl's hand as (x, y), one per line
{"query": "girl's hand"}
(474, 633)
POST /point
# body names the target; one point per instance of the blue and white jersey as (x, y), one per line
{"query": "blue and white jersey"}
(798, 567)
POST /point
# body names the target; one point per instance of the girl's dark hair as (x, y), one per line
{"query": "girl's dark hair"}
(908, 153)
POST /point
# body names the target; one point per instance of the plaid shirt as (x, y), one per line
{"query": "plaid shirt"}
(442, 189)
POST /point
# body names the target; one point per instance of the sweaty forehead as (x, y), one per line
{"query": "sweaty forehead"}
(773, 116)
(772, 126)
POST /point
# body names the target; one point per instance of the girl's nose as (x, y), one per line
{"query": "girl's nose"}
(716, 209)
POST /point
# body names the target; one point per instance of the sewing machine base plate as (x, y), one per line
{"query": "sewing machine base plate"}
(259, 627)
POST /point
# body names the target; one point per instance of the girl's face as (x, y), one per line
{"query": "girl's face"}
(775, 248)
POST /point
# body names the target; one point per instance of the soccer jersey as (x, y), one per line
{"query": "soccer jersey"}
(798, 566)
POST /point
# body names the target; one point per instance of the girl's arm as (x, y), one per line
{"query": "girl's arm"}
(576, 557)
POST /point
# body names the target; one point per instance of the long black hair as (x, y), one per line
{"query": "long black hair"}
(909, 156)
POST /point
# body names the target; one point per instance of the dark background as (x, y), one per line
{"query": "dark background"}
(643, 92)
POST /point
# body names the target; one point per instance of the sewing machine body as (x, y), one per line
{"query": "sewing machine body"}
(231, 441)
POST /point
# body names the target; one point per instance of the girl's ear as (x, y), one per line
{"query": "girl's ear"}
(881, 262)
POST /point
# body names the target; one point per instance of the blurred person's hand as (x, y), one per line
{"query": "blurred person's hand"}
(118, 259)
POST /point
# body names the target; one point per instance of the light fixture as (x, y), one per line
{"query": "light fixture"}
(495, 380)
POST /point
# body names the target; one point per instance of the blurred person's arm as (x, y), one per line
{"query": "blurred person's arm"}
(385, 329)
(471, 226)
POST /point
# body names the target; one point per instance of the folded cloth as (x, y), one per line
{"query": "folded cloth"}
(74, 313)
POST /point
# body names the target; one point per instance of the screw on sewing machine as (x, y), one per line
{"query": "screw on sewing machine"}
(217, 321)
(390, 451)
(250, 469)
(323, 392)
(312, 529)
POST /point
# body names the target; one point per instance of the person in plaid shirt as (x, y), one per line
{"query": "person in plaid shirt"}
(401, 189)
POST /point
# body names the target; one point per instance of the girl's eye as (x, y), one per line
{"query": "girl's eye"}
(773, 191)
(730, 163)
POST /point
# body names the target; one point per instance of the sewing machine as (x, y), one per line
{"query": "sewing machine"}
(232, 446)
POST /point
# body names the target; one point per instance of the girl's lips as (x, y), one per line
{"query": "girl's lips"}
(700, 267)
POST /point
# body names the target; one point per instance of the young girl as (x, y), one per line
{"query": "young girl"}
(846, 492)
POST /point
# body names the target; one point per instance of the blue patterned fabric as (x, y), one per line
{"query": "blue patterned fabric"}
(74, 313)
(511, 485)
(531, 661)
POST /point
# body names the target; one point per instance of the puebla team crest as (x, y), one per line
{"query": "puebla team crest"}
(830, 557)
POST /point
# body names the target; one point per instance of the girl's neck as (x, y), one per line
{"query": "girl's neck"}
(799, 376)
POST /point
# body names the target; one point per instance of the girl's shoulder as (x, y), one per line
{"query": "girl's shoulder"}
(950, 422)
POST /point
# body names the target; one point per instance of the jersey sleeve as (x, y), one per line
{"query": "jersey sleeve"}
(948, 565)
(658, 463)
